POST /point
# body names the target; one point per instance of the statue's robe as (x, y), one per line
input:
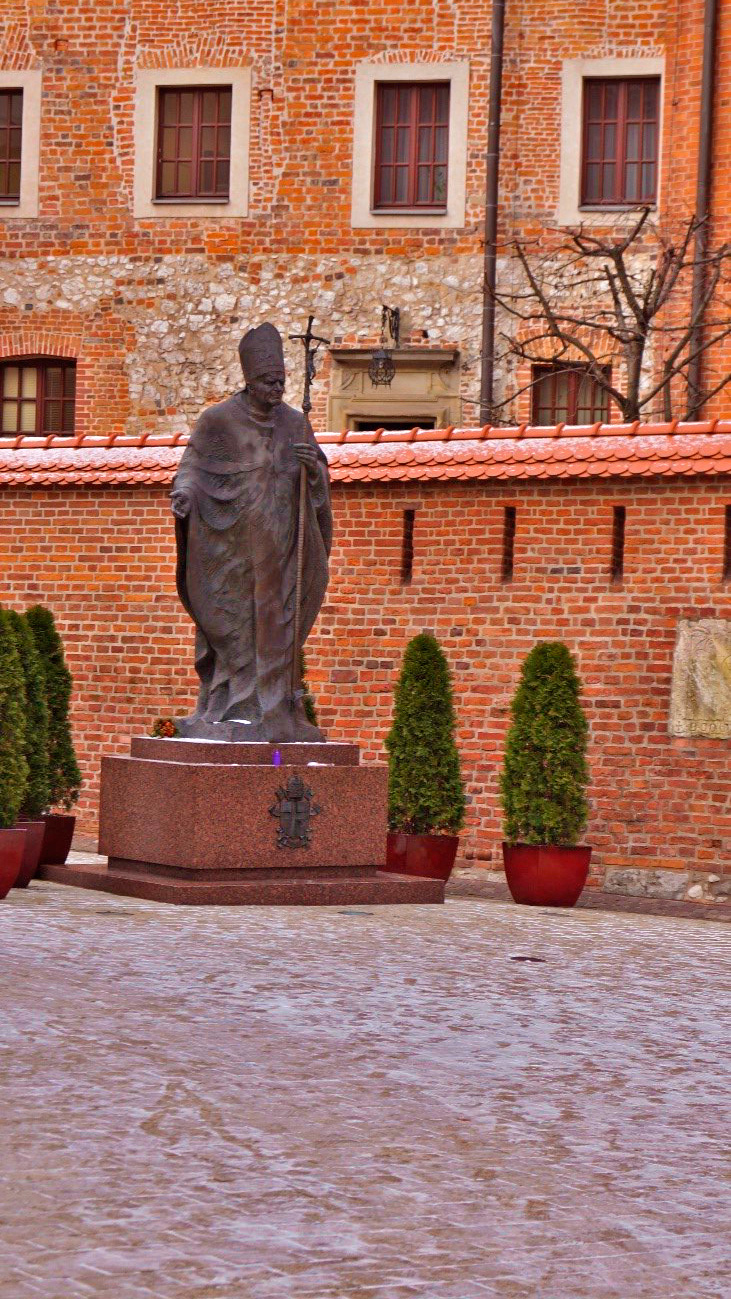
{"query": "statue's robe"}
(237, 559)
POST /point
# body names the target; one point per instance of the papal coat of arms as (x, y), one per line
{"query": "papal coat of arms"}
(294, 809)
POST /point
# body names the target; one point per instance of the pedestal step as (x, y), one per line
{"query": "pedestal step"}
(255, 888)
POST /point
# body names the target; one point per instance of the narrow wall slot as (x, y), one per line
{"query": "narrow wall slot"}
(508, 556)
(407, 547)
(619, 519)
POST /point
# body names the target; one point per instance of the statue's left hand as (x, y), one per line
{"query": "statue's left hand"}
(307, 456)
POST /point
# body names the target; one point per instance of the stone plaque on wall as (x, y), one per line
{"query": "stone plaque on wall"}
(700, 697)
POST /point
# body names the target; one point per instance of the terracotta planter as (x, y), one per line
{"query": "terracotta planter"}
(430, 856)
(546, 876)
(59, 831)
(12, 845)
(34, 832)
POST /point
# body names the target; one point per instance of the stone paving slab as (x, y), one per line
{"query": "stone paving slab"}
(410, 1103)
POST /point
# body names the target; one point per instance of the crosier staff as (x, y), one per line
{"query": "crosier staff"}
(311, 343)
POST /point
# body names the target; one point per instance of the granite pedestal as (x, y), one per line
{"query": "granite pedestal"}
(198, 821)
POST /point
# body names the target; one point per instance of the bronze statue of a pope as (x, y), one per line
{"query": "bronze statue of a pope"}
(236, 500)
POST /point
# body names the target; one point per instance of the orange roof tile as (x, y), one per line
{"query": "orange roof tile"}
(596, 451)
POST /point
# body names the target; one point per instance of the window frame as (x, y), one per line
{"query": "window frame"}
(364, 215)
(148, 81)
(619, 160)
(574, 72)
(26, 204)
(195, 195)
(6, 130)
(41, 364)
(575, 373)
(413, 162)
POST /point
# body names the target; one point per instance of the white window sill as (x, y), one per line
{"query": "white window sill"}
(596, 209)
(196, 201)
(408, 211)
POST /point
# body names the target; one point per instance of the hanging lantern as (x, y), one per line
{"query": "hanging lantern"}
(381, 368)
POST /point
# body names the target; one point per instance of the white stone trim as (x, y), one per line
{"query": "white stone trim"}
(30, 155)
(573, 74)
(145, 141)
(364, 126)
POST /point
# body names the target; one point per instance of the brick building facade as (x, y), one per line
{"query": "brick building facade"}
(108, 266)
(149, 293)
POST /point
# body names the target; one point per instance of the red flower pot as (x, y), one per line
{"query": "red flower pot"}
(59, 831)
(12, 845)
(429, 855)
(545, 876)
(34, 832)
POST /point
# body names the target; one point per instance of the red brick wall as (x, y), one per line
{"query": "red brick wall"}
(104, 561)
(303, 56)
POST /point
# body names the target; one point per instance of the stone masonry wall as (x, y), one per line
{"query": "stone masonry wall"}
(103, 559)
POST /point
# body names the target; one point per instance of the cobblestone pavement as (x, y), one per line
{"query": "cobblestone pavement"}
(303, 1103)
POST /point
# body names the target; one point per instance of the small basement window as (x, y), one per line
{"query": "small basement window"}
(403, 422)
(38, 396)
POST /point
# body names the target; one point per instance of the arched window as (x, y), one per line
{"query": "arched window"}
(38, 395)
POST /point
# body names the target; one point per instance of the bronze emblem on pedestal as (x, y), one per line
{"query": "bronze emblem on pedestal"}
(294, 808)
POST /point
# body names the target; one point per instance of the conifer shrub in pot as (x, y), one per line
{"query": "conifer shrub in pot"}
(426, 800)
(543, 782)
(63, 769)
(37, 790)
(13, 766)
(308, 701)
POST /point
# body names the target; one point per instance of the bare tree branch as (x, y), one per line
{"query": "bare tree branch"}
(618, 295)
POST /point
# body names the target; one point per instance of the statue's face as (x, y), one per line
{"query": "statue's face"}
(267, 389)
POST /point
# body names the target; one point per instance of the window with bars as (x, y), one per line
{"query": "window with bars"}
(194, 143)
(621, 141)
(566, 394)
(412, 138)
(38, 396)
(11, 138)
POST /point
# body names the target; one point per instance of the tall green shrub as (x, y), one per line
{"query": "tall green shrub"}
(308, 702)
(63, 769)
(544, 774)
(37, 794)
(13, 766)
(425, 791)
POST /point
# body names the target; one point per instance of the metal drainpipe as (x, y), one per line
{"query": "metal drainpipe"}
(487, 378)
(702, 198)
